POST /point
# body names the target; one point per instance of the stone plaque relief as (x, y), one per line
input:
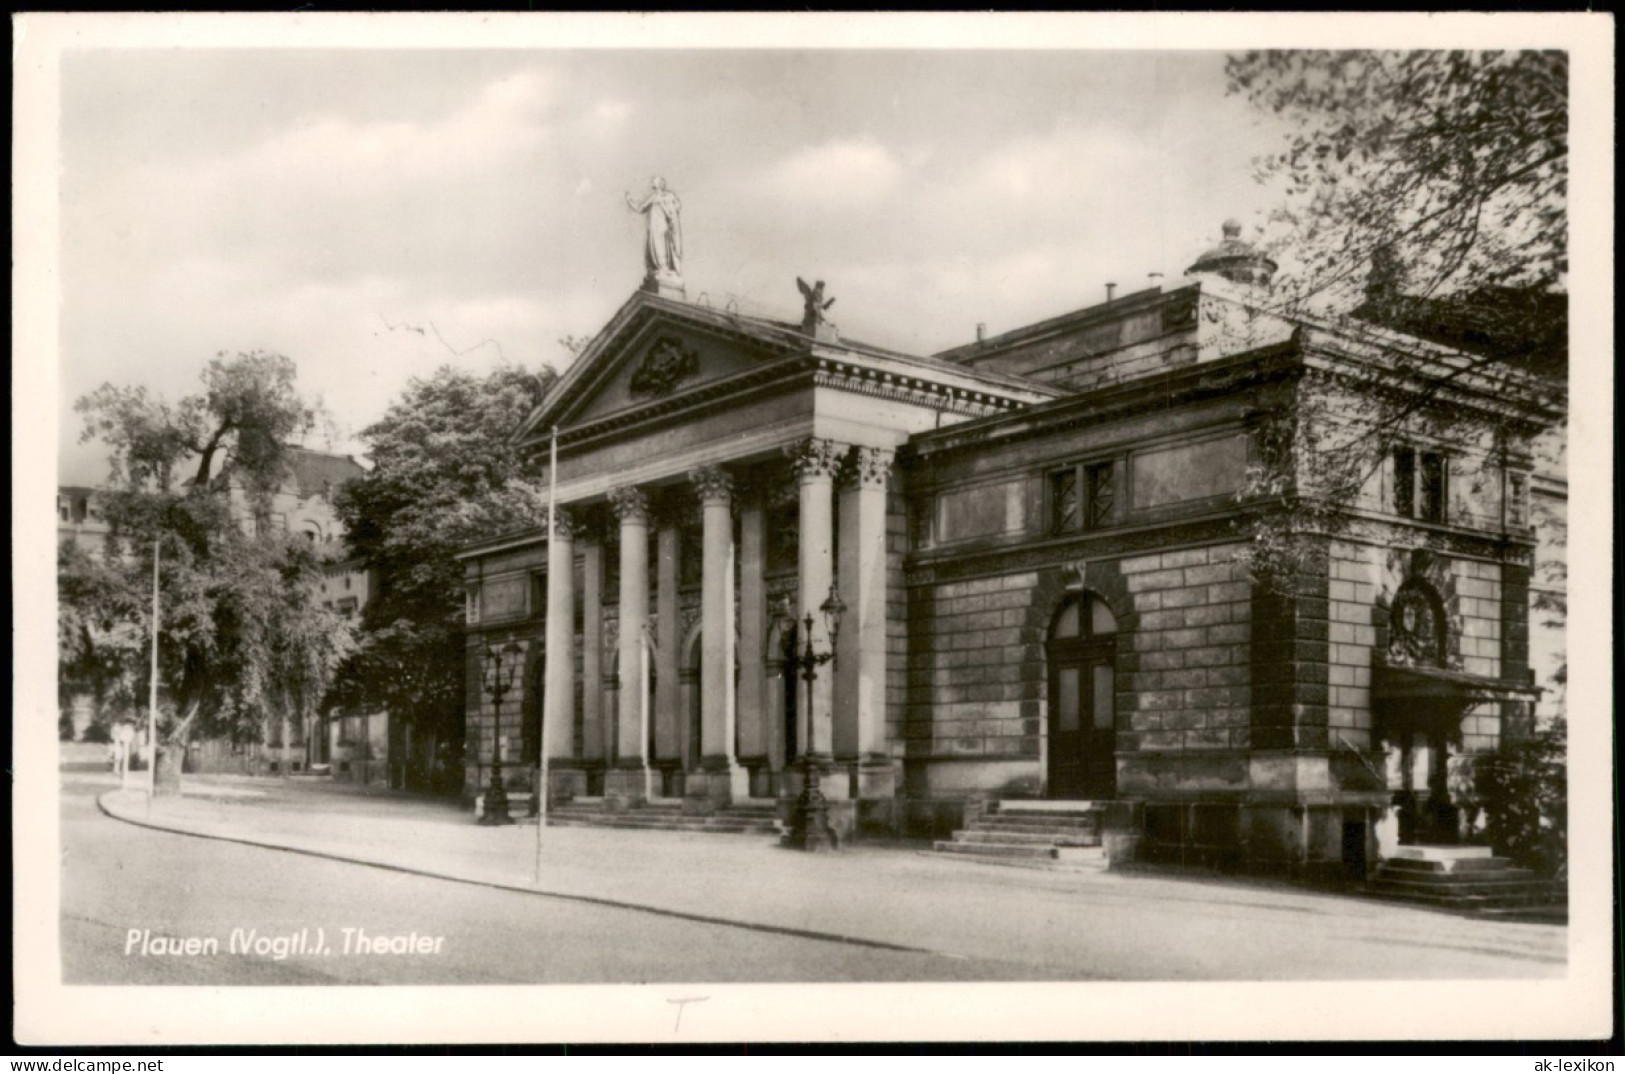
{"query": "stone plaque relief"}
(504, 598)
(1189, 471)
(984, 511)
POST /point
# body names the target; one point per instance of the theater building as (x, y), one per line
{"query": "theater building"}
(1044, 547)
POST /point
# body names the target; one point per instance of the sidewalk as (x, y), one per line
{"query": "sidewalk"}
(1123, 925)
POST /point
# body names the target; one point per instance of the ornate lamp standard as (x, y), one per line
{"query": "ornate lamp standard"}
(500, 674)
(809, 819)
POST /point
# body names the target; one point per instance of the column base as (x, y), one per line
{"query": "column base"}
(718, 783)
(874, 777)
(834, 780)
(626, 786)
(565, 780)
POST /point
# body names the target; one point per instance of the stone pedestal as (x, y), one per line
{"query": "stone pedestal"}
(875, 778)
(565, 782)
(665, 284)
(626, 786)
(718, 784)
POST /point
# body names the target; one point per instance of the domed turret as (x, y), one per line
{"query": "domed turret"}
(1234, 259)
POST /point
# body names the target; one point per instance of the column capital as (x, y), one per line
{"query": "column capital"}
(713, 483)
(815, 458)
(630, 504)
(867, 467)
(565, 525)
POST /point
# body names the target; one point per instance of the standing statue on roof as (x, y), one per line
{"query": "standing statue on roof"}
(814, 307)
(663, 255)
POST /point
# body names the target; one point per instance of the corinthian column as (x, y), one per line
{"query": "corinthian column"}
(725, 780)
(631, 507)
(860, 677)
(815, 462)
(560, 662)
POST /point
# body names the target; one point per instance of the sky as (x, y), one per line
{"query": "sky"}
(374, 214)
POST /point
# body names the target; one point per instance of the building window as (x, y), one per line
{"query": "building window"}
(1083, 497)
(1421, 484)
(1101, 491)
(1405, 482)
(1434, 484)
(1064, 506)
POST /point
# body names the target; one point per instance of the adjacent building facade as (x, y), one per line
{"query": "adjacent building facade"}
(1049, 564)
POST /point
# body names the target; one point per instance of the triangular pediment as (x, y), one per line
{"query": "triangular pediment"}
(655, 349)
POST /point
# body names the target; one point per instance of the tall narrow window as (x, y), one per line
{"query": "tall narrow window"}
(1102, 494)
(1064, 513)
(1434, 487)
(1405, 482)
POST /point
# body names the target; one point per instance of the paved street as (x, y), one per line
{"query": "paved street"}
(620, 906)
(117, 878)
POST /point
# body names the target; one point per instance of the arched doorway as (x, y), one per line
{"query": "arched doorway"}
(1082, 655)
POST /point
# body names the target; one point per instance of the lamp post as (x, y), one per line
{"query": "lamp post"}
(501, 668)
(809, 819)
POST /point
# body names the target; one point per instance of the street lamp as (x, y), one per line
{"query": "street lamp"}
(500, 674)
(809, 819)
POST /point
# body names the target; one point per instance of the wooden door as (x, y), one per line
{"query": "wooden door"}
(1082, 710)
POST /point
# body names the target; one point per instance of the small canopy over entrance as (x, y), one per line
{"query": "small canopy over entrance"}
(1423, 707)
(1417, 683)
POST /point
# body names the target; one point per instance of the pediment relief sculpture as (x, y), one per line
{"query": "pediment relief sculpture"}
(667, 364)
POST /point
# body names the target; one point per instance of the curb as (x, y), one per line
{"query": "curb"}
(495, 885)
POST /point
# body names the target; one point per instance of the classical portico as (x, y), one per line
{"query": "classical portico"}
(718, 477)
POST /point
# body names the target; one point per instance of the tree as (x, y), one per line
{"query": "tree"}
(1449, 166)
(1423, 193)
(242, 636)
(445, 473)
(1522, 789)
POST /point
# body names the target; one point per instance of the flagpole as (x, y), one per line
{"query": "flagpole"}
(541, 789)
(152, 692)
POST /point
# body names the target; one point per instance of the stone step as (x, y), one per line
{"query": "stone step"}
(1469, 879)
(1507, 894)
(1067, 838)
(1457, 867)
(1051, 807)
(1462, 901)
(1442, 853)
(1036, 823)
(1474, 885)
(996, 850)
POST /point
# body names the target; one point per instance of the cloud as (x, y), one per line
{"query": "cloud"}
(611, 112)
(845, 171)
